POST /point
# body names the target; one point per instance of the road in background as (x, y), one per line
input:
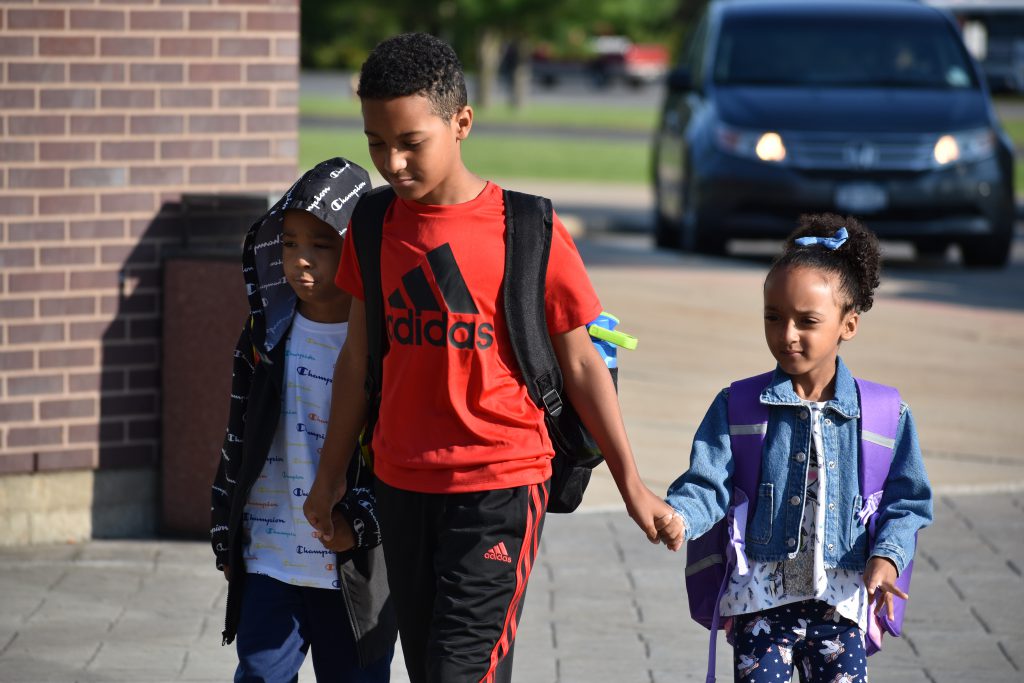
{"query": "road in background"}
(571, 91)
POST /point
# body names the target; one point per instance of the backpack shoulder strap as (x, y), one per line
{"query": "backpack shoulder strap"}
(528, 230)
(879, 419)
(366, 233)
(748, 424)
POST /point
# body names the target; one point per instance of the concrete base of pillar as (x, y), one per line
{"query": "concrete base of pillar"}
(67, 507)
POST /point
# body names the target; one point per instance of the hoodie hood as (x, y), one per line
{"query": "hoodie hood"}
(329, 191)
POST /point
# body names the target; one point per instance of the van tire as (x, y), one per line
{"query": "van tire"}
(666, 232)
(700, 235)
(991, 251)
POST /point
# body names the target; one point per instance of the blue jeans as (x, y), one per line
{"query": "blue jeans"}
(767, 645)
(280, 623)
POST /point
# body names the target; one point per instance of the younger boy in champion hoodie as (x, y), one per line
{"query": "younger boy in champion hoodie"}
(288, 592)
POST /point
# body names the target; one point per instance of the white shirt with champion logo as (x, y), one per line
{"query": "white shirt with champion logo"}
(803, 576)
(280, 543)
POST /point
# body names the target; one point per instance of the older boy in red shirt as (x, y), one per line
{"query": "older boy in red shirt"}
(462, 454)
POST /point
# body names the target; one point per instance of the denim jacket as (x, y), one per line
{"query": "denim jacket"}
(703, 493)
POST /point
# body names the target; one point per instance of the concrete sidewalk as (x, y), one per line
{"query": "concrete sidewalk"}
(604, 606)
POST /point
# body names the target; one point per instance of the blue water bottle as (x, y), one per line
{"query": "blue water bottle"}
(608, 341)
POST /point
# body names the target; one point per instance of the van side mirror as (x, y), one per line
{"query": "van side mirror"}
(680, 80)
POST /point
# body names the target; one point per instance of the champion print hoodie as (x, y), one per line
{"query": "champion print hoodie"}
(329, 191)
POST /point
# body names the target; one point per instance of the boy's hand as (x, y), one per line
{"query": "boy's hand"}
(654, 516)
(344, 539)
(319, 505)
(880, 580)
(671, 530)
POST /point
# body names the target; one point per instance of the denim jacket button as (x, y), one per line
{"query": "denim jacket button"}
(831, 546)
(831, 464)
(828, 421)
(831, 507)
(791, 542)
(803, 413)
(795, 500)
(800, 457)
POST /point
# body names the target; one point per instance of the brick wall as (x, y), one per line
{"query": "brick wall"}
(110, 110)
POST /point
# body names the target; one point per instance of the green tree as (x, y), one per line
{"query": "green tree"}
(340, 33)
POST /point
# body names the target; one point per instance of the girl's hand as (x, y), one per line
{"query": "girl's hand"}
(671, 530)
(655, 517)
(880, 580)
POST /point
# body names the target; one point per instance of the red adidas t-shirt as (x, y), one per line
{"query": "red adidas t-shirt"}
(455, 415)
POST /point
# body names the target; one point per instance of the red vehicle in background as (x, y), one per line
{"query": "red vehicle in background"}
(620, 60)
(616, 59)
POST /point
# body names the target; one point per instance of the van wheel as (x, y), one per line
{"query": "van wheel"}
(666, 233)
(932, 250)
(700, 236)
(992, 251)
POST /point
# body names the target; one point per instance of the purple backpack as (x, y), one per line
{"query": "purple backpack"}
(711, 558)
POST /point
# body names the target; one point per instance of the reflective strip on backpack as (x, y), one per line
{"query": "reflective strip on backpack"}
(878, 439)
(701, 565)
(744, 430)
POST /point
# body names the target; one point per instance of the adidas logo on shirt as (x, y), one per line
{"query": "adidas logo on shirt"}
(499, 553)
(411, 328)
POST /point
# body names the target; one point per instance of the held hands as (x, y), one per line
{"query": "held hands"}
(658, 520)
(319, 505)
(343, 539)
(671, 530)
(880, 580)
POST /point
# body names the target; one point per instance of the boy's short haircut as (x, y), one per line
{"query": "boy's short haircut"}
(415, 64)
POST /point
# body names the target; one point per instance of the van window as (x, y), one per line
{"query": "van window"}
(860, 53)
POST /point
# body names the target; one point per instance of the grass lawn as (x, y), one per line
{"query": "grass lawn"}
(505, 156)
(1015, 129)
(620, 117)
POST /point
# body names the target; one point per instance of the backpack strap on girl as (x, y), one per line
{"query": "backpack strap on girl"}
(879, 420)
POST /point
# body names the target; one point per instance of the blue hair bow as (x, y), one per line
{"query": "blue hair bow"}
(832, 243)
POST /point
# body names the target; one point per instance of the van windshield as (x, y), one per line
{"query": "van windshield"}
(840, 52)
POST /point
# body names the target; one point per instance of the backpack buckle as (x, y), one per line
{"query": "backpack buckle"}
(552, 402)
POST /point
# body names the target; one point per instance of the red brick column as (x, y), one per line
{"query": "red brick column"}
(110, 110)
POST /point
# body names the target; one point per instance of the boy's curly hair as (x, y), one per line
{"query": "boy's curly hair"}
(415, 64)
(857, 263)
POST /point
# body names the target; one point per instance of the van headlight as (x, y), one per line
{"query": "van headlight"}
(762, 145)
(966, 147)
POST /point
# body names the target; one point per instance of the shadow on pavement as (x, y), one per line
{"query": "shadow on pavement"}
(949, 282)
(623, 238)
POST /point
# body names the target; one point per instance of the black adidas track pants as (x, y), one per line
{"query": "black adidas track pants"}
(458, 565)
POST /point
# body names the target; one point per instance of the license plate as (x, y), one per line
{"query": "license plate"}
(861, 198)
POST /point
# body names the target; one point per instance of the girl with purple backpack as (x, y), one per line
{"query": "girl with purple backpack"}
(806, 487)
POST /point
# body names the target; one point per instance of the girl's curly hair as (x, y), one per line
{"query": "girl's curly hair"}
(857, 263)
(415, 64)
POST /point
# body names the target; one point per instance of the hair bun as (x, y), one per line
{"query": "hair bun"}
(818, 243)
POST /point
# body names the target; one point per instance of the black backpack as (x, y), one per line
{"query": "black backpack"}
(528, 230)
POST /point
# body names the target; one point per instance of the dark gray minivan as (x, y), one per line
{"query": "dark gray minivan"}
(865, 107)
